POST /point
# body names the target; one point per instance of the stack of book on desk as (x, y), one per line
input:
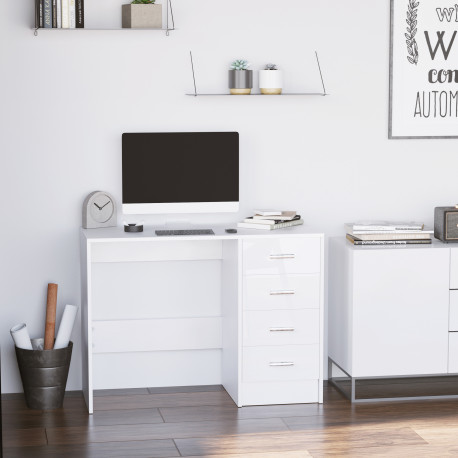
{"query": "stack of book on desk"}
(269, 220)
(387, 233)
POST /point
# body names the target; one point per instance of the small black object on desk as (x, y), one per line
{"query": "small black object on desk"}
(133, 227)
(231, 231)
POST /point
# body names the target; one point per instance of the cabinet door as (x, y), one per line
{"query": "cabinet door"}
(454, 268)
(400, 314)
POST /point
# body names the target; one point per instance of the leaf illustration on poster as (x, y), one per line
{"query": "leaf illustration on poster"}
(424, 69)
(412, 47)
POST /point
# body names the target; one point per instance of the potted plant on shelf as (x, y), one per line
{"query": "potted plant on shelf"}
(271, 80)
(240, 78)
(142, 14)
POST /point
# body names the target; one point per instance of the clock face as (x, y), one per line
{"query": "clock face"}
(101, 208)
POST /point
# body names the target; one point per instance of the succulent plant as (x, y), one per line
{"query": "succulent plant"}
(240, 64)
(271, 67)
(144, 2)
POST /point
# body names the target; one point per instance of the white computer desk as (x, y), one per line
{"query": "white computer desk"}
(244, 310)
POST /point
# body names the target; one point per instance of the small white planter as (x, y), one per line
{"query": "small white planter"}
(140, 16)
(270, 81)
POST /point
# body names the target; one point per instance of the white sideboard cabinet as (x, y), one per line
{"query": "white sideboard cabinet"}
(243, 310)
(393, 311)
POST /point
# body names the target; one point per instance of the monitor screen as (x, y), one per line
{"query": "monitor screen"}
(180, 172)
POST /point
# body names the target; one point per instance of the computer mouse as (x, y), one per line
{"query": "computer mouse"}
(231, 231)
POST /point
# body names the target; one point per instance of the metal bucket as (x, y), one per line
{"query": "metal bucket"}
(44, 376)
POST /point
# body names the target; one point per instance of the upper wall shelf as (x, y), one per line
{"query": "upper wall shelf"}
(322, 94)
(198, 94)
(166, 29)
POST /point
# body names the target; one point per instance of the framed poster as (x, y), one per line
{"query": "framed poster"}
(424, 69)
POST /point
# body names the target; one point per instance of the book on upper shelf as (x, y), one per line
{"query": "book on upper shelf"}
(271, 227)
(383, 226)
(39, 19)
(65, 14)
(54, 14)
(71, 14)
(283, 216)
(59, 13)
(47, 14)
(356, 241)
(79, 8)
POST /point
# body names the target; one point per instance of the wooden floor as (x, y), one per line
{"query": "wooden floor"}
(203, 421)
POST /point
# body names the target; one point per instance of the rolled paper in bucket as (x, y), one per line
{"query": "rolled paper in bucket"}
(38, 344)
(66, 326)
(50, 316)
(21, 337)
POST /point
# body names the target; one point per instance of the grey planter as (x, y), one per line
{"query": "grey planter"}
(240, 81)
(44, 376)
(142, 16)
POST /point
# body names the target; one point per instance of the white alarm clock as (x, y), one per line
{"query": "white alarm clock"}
(99, 210)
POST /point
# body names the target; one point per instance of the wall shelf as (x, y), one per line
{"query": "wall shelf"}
(106, 28)
(166, 29)
(197, 94)
(264, 95)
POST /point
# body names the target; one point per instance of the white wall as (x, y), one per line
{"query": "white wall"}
(66, 98)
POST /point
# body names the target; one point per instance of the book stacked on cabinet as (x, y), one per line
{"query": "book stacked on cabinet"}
(269, 220)
(388, 233)
(60, 14)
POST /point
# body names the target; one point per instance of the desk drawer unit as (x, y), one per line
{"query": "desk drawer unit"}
(282, 320)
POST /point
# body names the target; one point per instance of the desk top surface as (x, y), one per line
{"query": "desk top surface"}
(118, 234)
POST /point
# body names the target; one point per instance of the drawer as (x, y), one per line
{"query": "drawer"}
(453, 352)
(454, 268)
(282, 255)
(453, 313)
(264, 393)
(290, 362)
(281, 292)
(281, 327)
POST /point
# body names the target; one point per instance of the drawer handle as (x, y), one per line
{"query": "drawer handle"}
(282, 363)
(282, 329)
(282, 293)
(283, 256)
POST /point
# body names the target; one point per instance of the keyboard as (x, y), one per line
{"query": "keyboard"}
(186, 232)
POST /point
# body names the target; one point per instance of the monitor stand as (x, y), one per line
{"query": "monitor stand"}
(175, 222)
(182, 224)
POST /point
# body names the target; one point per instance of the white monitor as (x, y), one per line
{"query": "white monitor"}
(180, 172)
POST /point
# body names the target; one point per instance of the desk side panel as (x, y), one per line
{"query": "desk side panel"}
(85, 265)
(340, 313)
(231, 311)
(322, 300)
